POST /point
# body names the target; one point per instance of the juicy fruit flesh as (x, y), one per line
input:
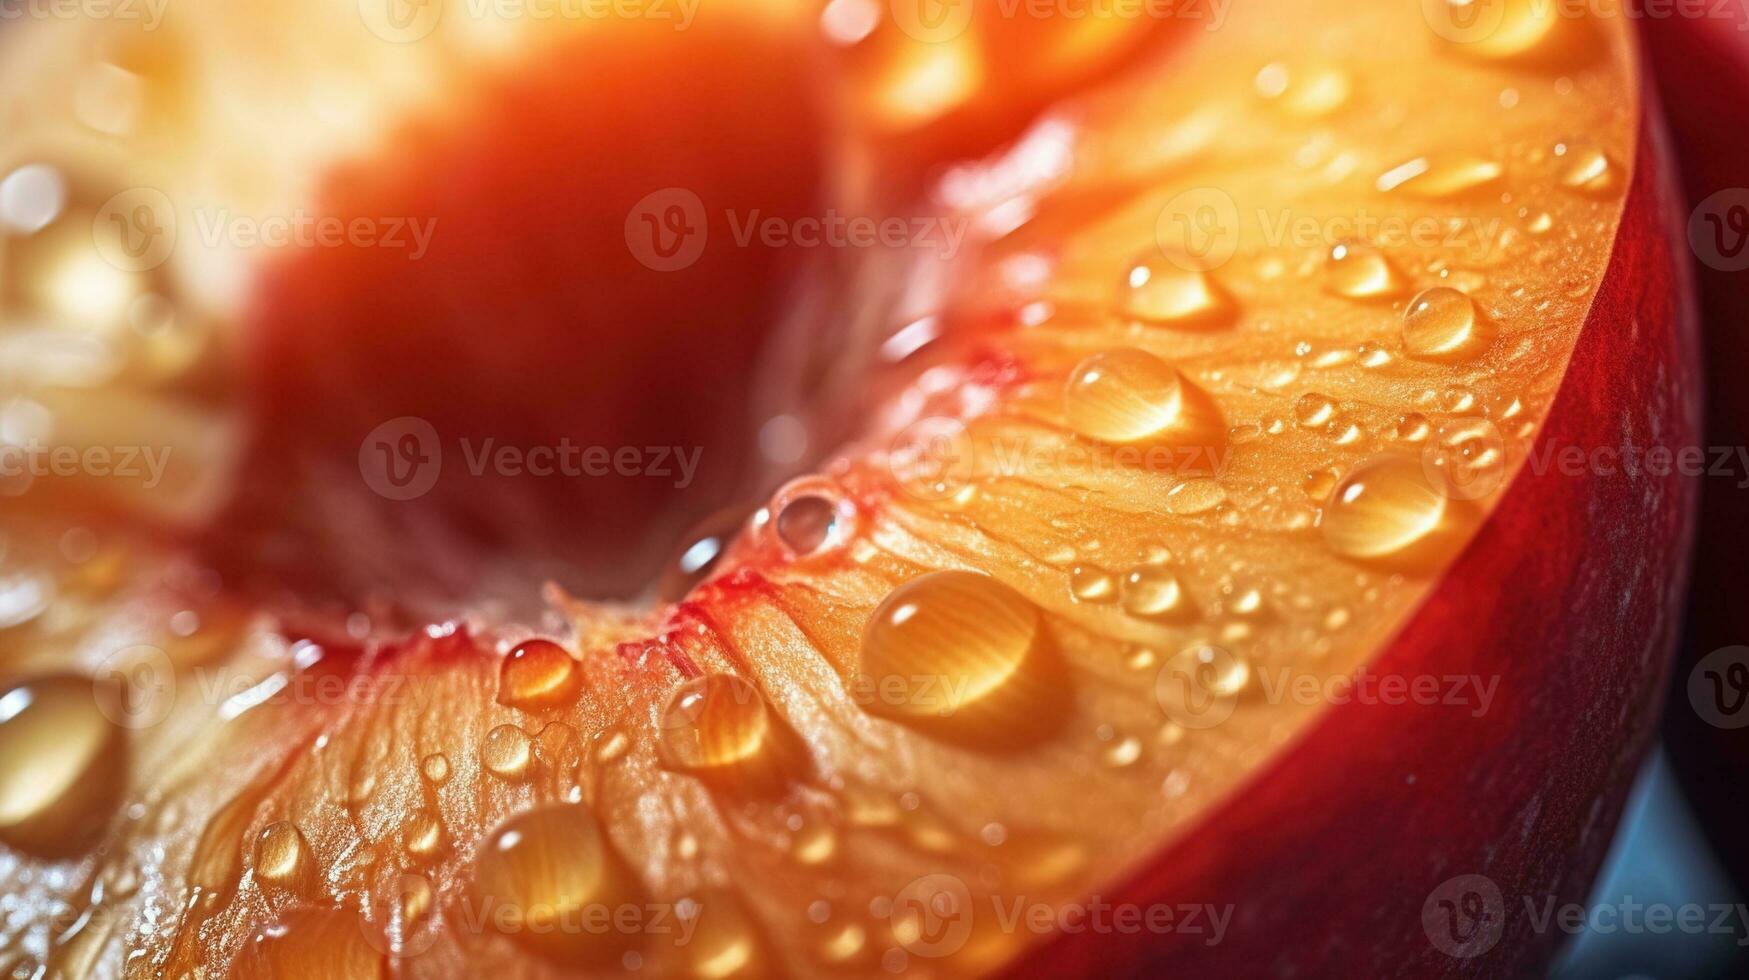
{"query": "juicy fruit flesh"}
(1132, 591)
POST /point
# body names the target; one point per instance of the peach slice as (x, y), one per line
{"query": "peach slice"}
(1218, 572)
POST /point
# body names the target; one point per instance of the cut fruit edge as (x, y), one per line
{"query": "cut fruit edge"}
(1338, 791)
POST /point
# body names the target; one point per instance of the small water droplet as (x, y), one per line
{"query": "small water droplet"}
(537, 674)
(1195, 497)
(1128, 396)
(507, 753)
(1587, 168)
(1090, 583)
(435, 768)
(282, 858)
(1441, 324)
(1306, 93)
(1360, 271)
(1313, 410)
(1150, 591)
(1441, 177)
(720, 727)
(1159, 291)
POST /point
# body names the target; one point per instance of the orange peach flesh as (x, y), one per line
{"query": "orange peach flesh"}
(1279, 442)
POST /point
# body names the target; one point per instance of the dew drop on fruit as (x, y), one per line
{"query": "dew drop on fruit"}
(282, 858)
(1382, 508)
(537, 674)
(952, 645)
(807, 523)
(1156, 290)
(435, 768)
(1130, 396)
(725, 942)
(1440, 177)
(1441, 324)
(1090, 583)
(422, 836)
(1587, 168)
(62, 764)
(1313, 410)
(541, 871)
(1305, 93)
(1195, 496)
(507, 752)
(311, 944)
(1150, 590)
(719, 726)
(1360, 271)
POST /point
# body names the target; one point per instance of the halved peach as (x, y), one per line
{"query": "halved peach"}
(1213, 559)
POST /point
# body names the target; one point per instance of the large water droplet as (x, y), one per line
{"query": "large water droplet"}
(720, 727)
(541, 872)
(1129, 396)
(62, 765)
(960, 652)
(1385, 509)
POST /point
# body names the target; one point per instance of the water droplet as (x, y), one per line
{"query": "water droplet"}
(726, 942)
(1361, 271)
(1441, 324)
(1090, 583)
(699, 552)
(1130, 396)
(537, 674)
(815, 844)
(721, 728)
(611, 743)
(1158, 291)
(1122, 753)
(1195, 497)
(961, 651)
(1587, 168)
(1313, 410)
(507, 752)
(62, 765)
(1440, 177)
(435, 768)
(282, 857)
(1504, 30)
(1151, 591)
(422, 836)
(311, 944)
(542, 871)
(1384, 508)
(808, 523)
(1307, 93)
(1410, 427)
